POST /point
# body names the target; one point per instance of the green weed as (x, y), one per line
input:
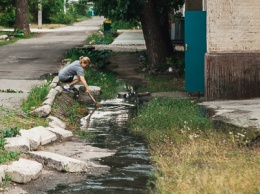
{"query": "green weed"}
(105, 80)
(36, 97)
(162, 83)
(83, 134)
(9, 132)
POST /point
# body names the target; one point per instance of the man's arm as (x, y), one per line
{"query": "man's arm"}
(83, 81)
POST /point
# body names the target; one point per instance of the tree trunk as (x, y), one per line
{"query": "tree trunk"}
(156, 35)
(21, 16)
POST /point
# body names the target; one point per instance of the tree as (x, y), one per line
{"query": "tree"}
(154, 17)
(22, 16)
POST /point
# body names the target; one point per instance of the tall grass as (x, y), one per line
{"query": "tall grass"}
(190, 155)
(105, 80)
(36, 97)
(161, 83)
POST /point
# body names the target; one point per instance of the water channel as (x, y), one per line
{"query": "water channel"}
(129, 166)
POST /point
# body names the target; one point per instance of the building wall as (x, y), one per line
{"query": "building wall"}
(232, 61)
(193, 5)
(233, 25)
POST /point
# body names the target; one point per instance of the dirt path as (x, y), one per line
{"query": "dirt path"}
(127, 67)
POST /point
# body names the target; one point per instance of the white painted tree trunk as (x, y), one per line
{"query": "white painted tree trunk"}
(40, 15)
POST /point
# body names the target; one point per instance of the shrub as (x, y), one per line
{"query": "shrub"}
(7, 18)
(62, 18)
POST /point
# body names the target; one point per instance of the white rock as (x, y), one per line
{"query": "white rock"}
(3, 37)
(56, 122)
(52, 94)
(46, 135)
(48, 101)
(23, 171)
(59, 162)
(59, 89)
(34, 138)
(61, 133)
(42, 111)
(17, 144)
(55, 79)
(2, 172)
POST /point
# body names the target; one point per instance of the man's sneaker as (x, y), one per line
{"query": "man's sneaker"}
(67, 88)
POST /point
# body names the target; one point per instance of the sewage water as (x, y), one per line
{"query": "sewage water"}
(130, 165)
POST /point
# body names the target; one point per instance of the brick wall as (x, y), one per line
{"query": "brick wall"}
(233, 25)
(232, 61)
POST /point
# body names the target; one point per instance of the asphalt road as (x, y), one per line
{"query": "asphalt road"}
(24, 63)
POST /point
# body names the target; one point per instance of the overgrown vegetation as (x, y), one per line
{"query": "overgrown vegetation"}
(107, 36)
(36, 97)
(52, 12)
(191, 155)
(6, 156)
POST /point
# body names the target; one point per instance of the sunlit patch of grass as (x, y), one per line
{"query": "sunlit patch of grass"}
(206, 166)
(191, 156)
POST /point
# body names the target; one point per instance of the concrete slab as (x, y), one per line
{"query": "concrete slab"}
(130, 37)
(2, 172)
(61, 133)
(56, 122)
(23, 170)
(46, 135)
(42, 111)
(17, 144)
(241, 113)
(59, 162)
(34, 138)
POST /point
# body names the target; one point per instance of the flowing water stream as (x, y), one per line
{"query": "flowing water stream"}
(129, 166)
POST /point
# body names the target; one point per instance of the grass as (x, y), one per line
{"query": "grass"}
(13, 118)
(16, 38)
(105, 80)
(101, 38)
(36, 97)
(163, 83)
(191, 155)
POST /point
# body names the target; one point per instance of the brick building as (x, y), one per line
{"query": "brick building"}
(232, 60)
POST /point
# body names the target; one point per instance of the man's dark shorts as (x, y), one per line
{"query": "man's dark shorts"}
(70, 79)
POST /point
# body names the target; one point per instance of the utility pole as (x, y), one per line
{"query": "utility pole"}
(40, 15)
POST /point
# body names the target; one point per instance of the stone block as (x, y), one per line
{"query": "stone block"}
(61, 133)
(23, 170)
(2, 172)
(34, 138)
(42, 111)
(17, 144)
(46, 135)
(56, 122)
(59, 162)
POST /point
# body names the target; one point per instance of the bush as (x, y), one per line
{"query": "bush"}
(96, 57)
(61, 18)
(7, 18)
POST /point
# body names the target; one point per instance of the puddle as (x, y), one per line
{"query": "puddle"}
(129, 166)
